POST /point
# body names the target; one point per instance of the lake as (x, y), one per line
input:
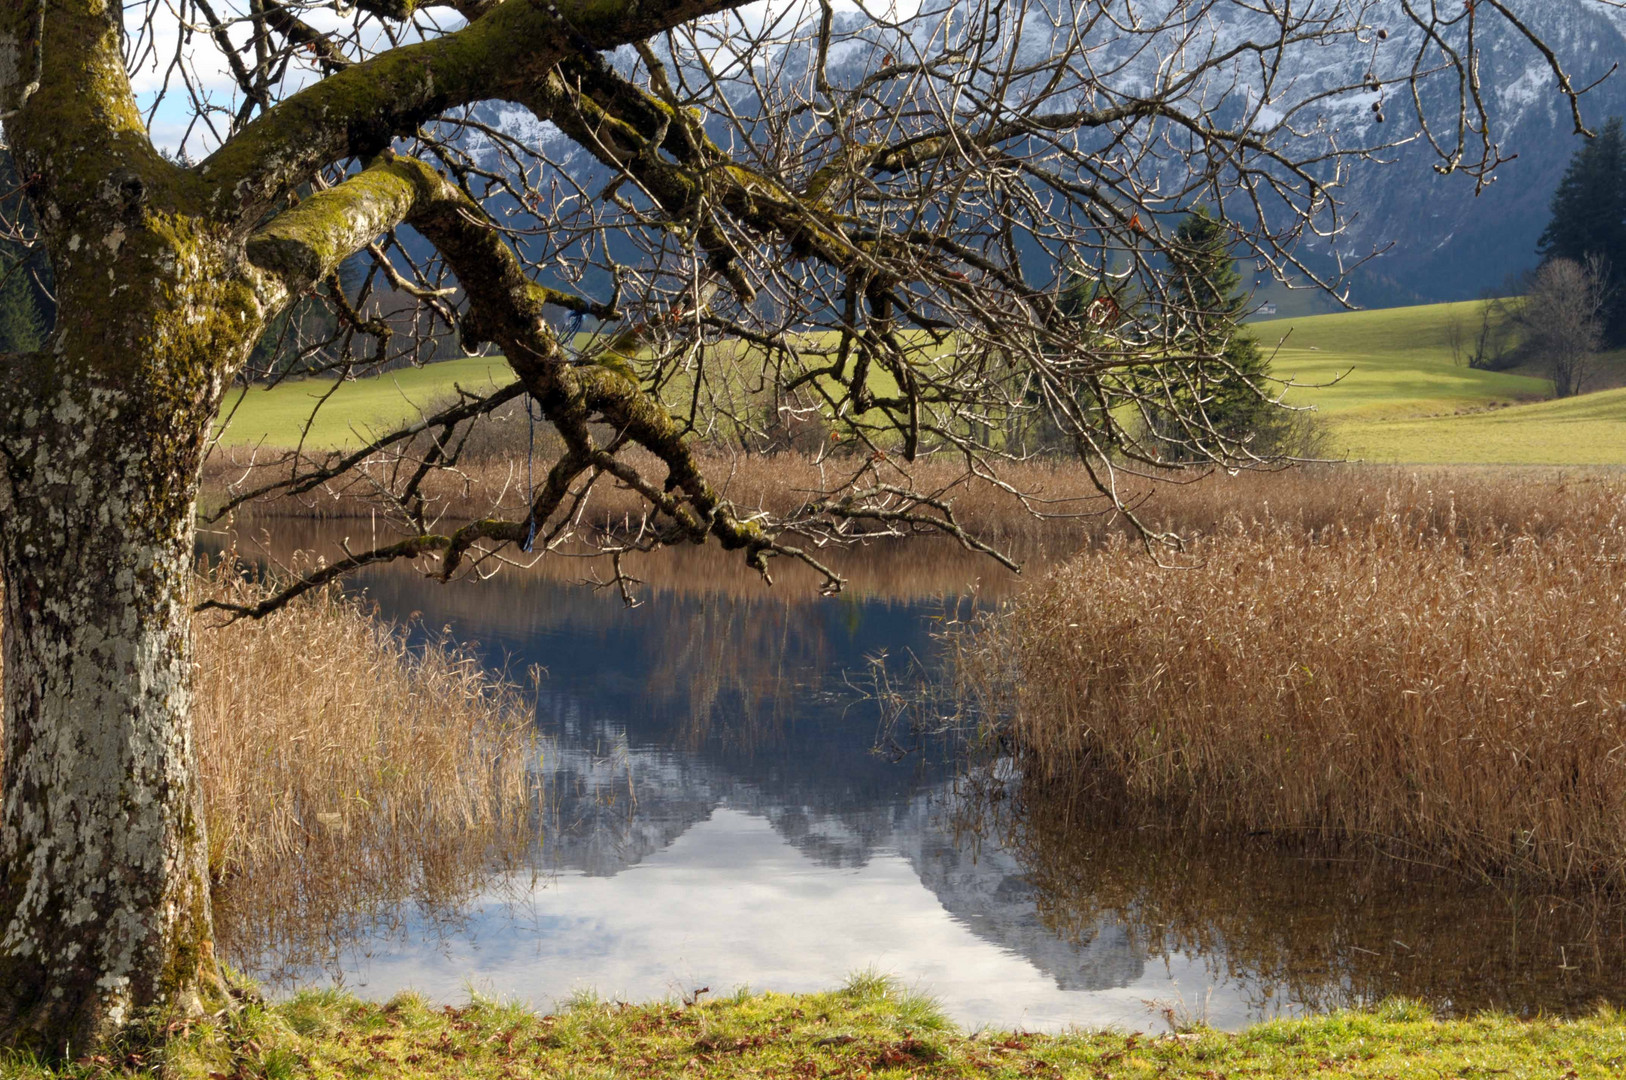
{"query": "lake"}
(726, 803)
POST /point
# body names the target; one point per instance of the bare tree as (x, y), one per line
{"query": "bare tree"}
(1563, 315)
(708, 185)
(1453, 337)
(1494, 345)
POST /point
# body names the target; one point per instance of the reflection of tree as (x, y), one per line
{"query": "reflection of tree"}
(739, 664)
(1322, 932)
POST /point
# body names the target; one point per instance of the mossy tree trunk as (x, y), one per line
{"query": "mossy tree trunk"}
(104, 903)
(104, 907)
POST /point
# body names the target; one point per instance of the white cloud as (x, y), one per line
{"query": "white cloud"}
(665, 927)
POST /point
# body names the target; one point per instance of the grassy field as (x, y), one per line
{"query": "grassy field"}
(1590, 429)
(867, 1030)
(1396, 394)
(278, 416)
(1385, 381)
(1385, 364)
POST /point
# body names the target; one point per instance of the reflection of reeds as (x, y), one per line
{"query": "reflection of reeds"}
(1316, 932)
(779, 483)
(1441, 672)
(345, 773)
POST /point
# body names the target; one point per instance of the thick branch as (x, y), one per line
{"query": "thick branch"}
(358, 111)
(304, 244)
(623, 126)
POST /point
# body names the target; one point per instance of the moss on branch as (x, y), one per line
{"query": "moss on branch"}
(504, 53)
(306, 242)
(620, 124)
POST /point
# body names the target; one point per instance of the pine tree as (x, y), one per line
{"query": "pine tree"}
(26, 309)
(1206, 294)
(1589, 217)
(22, 328)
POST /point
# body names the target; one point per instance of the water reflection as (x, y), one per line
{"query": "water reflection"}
(715, 815)
(1315, 931)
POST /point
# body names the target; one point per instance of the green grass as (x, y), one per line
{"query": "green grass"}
(1400, 396)
(1585, 430)
(867, 1030)
(277, 416)
(1386, 364)
(1385, 381)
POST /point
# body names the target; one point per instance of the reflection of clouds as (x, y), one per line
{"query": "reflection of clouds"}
(713, 815)
(730, 903)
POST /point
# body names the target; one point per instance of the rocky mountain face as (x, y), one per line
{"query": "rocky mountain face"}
(1424, 236)
(1429, 236)
(1441, 240)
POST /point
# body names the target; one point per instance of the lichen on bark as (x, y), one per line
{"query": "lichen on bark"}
(104, 908)
(164, 277)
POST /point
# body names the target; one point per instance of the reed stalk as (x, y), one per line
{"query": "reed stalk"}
(1439, 672)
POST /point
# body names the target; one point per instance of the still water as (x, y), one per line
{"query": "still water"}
(725, 807)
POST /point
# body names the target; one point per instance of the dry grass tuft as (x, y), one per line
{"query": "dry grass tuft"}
(345, 772)
(1437, 671)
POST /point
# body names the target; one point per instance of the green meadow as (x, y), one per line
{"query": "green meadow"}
(1385, 382)
(278, 416)
(1391, 391)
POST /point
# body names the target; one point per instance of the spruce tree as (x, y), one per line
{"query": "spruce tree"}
(26, 308)
(1589, 217)
(1207, 296)
(22, 328)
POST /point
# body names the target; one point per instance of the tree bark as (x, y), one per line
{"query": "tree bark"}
(104, 907)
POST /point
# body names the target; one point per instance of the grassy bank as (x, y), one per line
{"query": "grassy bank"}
(868, 1029)
(1433, 665)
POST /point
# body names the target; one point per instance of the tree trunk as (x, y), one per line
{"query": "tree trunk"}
(104, 906)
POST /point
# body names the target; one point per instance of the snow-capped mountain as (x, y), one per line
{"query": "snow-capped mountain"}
(1435, 236)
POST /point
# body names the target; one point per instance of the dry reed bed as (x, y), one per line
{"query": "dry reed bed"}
(345, 772)
(1440, 673)
(779, 483)
(1063, 507)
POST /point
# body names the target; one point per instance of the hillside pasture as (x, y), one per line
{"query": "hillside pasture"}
(1386, 383)
(356, 409)
(1391, 390)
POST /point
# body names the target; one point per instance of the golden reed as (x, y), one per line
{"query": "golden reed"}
(1432, 662)
(346, 771)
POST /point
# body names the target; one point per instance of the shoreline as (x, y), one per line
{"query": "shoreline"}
(866, 1029)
